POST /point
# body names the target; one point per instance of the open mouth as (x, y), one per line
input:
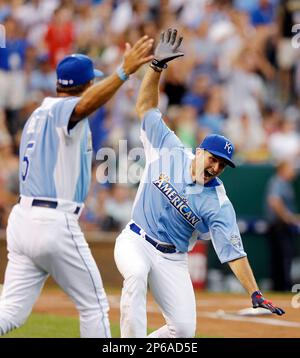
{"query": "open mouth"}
(207, 175)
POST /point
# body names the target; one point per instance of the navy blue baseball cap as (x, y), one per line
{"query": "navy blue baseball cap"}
(75, 70)
(220, 146)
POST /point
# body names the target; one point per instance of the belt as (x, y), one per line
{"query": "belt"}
(167, 249)
(48, 204)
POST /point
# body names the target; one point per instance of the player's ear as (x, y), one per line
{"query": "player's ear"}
(199, 152)
(88, 85)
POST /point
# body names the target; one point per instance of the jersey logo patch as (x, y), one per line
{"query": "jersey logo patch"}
(89, 145)
(179, 203)
(236, 241)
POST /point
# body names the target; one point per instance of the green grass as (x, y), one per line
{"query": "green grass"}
(51, 326)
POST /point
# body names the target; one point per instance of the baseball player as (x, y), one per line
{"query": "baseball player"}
(43, 234)
(179, 194)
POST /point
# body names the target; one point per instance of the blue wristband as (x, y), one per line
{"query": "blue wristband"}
(122, 74)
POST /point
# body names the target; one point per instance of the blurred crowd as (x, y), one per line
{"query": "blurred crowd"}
(240, 77)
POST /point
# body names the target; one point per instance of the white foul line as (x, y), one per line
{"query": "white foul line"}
(233, 317)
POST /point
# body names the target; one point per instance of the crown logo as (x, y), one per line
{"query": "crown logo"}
(164, 177)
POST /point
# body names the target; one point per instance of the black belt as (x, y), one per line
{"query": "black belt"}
(48, 204)
(170, 249)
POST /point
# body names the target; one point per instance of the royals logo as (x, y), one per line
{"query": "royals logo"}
(228, 147)
(180, 204)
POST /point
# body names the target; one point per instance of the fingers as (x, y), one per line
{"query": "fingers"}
(141, 41)
(138, 54)
(143, 51)
(259, 301)
(144, 47)
(146, 59)
(169, 32)
(267, 305)
(178, 43)
(173, 36)
(279, 311)
(127, 48)
(170, 36)
(273, 309)
(141, 48)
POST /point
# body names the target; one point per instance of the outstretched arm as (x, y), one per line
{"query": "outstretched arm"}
(244, 274)
(149, 92)
(98, 94)
(242, 270)
(165, 51)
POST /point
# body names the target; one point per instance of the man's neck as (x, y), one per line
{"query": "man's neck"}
(193, 170)
(62, 94)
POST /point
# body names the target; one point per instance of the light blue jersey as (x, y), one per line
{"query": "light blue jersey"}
(54, 162)
(170, 207)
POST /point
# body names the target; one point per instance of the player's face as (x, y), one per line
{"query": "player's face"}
(207, 166)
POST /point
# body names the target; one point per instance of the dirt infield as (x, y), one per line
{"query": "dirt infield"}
(211, 322)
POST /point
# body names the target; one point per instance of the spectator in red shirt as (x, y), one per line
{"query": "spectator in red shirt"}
(60, 35)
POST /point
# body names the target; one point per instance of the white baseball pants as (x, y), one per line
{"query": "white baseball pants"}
(43, 241)
(141, 263)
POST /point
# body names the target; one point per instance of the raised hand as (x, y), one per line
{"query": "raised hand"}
(167, 48)
(136, 56)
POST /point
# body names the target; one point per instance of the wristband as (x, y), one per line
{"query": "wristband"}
(159, 64)
(122, 74)
(256, 293)
(155, 68)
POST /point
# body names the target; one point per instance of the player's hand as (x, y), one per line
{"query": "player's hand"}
(167, 48)
(137, 55)
(259, 301)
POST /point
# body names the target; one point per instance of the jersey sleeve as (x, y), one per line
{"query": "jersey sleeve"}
(155, 134)
(225, 234)
(274, 189)
(62, 113)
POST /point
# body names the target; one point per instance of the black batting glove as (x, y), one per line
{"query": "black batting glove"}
(166, 50)
(259, 301)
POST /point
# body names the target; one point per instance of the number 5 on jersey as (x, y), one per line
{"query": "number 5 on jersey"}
(26, 160)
